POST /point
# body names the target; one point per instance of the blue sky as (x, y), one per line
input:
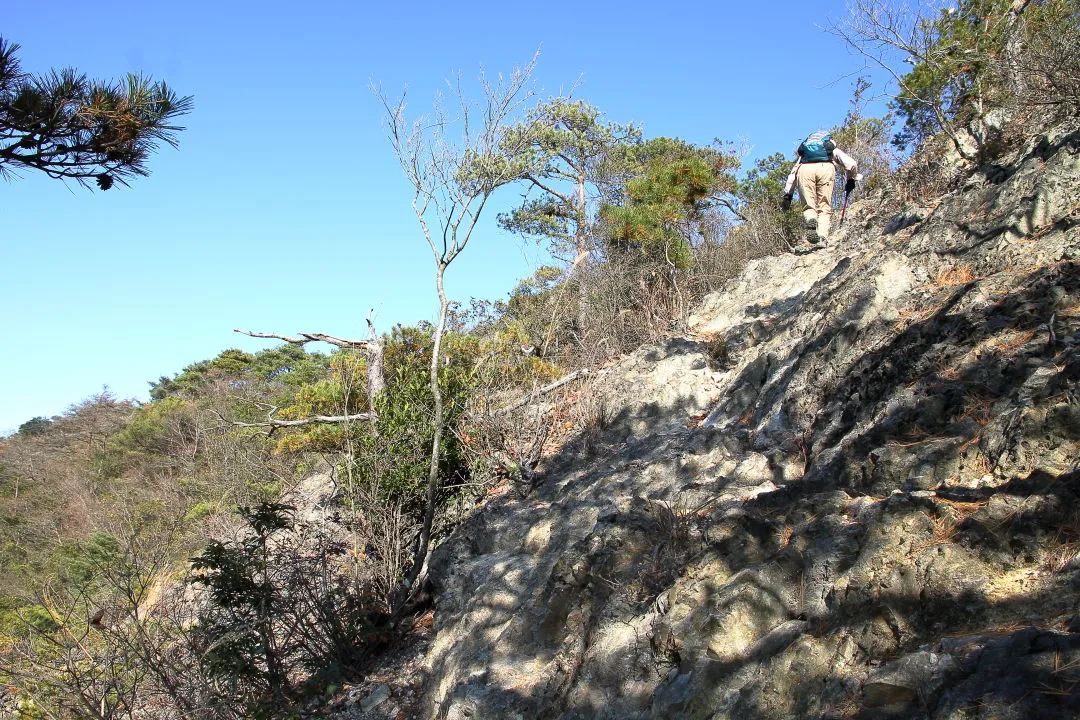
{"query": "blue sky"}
(284, 209)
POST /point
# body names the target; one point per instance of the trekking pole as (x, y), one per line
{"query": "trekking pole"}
(847, 194)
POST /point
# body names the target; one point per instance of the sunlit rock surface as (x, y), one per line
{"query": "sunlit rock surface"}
(868, 507)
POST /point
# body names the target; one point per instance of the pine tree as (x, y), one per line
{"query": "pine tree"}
(69, 126)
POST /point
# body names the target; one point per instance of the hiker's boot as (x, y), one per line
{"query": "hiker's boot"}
(800, 245)
(812, 242)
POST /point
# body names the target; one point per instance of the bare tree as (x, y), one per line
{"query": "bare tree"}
(452, 179)
(895, 37)
(376, 380)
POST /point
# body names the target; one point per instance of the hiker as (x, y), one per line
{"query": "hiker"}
(815, 174)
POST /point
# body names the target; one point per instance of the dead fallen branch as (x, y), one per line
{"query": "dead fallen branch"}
(540, 392)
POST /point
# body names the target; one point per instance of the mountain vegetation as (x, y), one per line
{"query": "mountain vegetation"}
(259, 535)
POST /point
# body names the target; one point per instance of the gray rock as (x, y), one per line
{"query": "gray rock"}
(914, 678)
(377, 697)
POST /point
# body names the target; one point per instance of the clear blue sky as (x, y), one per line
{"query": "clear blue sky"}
(284, 209)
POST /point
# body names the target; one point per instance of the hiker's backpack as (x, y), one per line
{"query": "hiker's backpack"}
(817, 148)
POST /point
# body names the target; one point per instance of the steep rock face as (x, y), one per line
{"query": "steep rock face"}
(869, 510)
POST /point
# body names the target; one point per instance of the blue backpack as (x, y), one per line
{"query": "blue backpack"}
(817, 148)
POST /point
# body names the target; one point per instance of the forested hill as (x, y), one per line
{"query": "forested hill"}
(694, 469)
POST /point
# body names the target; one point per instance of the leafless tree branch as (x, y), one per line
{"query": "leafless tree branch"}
(312, 420)
(540, 392)
(306, 338)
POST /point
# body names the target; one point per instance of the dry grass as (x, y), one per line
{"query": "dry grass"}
(947, 371)
(1065, 546)
(906, 316)
(1006, 343)
(938, 288)
(980, 409)
(847, 709)
(674, 523)
(909, 315)
(928, 173)
(595, 418)
(1060, 667)
(785, 536)
(948, 523)
(946, 526)
(926, 437)
(1066, 678)
(961, 274)
(1059, 557)
(716, 346)
(1000, 630)
(961, 508)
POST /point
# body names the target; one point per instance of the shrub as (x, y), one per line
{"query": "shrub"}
(278, 610)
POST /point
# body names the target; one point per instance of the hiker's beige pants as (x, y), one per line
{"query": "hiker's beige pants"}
(816, 182)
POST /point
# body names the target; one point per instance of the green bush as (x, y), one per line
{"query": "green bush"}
(81, 563)
(275, 606)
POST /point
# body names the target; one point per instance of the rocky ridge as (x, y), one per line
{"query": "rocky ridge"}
(850, 492)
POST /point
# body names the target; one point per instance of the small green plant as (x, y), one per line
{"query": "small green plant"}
(278, 609)
(717, 348)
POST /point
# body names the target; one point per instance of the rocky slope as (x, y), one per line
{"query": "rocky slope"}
(852, 492)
